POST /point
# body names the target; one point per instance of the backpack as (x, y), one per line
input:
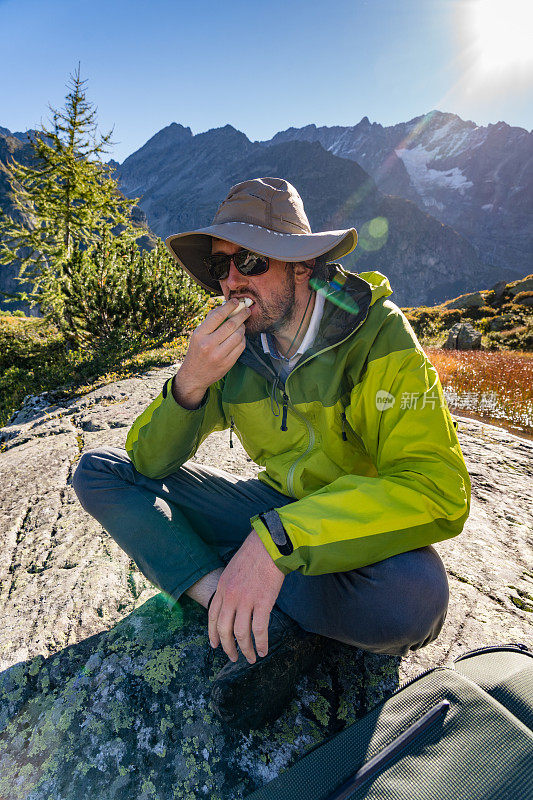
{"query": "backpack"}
(463, 732)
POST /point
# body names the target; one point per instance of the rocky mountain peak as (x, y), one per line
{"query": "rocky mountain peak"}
(173, 135)
(226, 133)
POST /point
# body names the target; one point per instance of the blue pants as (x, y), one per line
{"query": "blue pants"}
(181, 527)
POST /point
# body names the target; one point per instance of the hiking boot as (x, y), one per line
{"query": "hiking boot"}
(247, 695)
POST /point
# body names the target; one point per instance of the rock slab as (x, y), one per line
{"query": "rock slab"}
(104, 685)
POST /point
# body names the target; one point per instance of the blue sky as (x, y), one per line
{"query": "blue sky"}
(261, 67)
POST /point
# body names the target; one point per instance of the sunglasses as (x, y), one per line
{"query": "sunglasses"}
(248, 263)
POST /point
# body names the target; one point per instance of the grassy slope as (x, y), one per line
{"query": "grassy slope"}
(506, 323)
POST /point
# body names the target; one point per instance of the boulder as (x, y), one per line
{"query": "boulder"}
(104, 684)
(522, 286)
(499, 291)
(125, 713)
(463, 336)
(474, 299)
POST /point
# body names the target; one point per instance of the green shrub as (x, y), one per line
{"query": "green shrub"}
(478, 312)
(119, 308)
(518, 338)
(115, 290)
(414, 323)
(422, 319)
(36, 358)
(449, 317)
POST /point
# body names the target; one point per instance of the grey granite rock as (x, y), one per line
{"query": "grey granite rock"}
(463, 336)
(499, 290)
(104, 684)
(466, 301)
(125, 713)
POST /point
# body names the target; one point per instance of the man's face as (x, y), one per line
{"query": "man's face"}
(273, 292)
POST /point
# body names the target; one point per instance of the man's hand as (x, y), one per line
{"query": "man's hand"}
(214, 347)
(246, 592)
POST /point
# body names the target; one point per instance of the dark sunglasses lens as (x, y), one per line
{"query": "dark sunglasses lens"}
(218, 264)
(250, 264)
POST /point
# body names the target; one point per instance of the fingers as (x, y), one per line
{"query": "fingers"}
(235, 342)
(243, 633)
(231, 324)
(206, 361)
(212, 618)
(260, 628)
(218, 315)
(234, 354)
(227, 624)
(220, 626)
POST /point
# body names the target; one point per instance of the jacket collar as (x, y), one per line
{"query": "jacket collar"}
(348, 300)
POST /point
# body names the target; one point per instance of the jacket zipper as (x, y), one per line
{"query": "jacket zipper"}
(305, 360)
(310, 445)
(286, 401)
(284, 417)
(286, 398)
(325, 350)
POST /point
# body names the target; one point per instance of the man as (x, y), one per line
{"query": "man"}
(324, 382)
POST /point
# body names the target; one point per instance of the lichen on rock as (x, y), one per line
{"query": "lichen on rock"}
(126, 713)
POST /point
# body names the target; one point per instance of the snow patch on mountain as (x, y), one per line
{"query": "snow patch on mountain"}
(443, 131)
(425, 179)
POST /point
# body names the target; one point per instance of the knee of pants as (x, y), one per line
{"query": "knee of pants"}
(416, 617)
(90, 471)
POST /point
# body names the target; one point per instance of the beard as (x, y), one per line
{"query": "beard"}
(278, 311)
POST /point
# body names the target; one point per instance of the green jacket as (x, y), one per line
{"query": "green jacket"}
(360, 435)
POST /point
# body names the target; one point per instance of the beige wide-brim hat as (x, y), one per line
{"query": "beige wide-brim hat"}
(265, 215)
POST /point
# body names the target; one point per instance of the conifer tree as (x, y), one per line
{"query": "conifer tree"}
(63, 202)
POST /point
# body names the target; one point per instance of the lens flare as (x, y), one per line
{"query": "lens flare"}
(334, 293)
(373, 234)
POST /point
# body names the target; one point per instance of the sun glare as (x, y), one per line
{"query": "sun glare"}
(501, 34)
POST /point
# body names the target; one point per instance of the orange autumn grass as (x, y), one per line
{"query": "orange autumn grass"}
(494, 385)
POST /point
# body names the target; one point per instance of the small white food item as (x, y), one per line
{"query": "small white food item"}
(244, 302)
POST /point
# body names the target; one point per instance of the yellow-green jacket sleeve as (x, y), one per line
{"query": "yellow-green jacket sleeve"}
(166, 435)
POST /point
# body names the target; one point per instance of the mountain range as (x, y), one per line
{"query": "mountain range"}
(442, 206)
(477, 179)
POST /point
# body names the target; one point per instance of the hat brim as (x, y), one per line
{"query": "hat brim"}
(190, 248)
